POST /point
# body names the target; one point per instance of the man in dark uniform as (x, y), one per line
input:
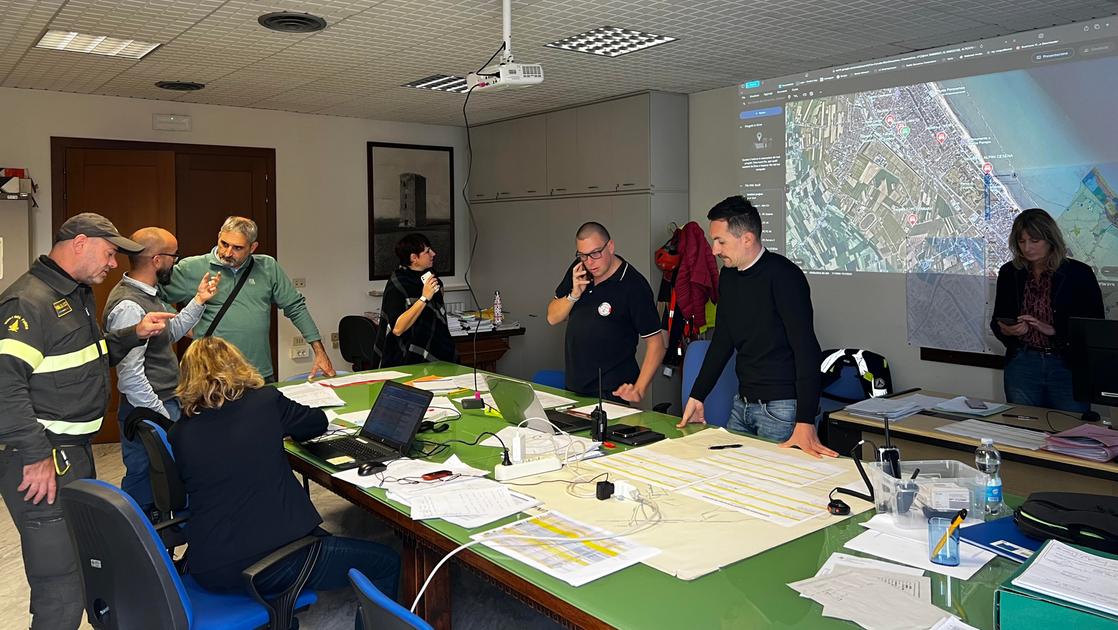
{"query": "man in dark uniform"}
(607, 305)
(54, 386)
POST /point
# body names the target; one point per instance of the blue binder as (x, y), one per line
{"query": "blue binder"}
(1002, 537)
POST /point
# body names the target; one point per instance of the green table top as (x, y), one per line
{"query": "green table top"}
(751, 593)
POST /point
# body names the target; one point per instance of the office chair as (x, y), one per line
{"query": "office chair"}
(720, 401)
(550, 378)
(851, 375)
(377, 611)
(150, 428)
(357, 336)
(129, 581)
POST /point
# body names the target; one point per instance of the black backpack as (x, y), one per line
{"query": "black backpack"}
(1088, 520)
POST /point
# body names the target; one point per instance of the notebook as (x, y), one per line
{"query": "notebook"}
(517, 402)
(387, 434)
(1002, 537)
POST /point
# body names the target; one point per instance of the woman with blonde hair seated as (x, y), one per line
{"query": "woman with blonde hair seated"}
(244, 500)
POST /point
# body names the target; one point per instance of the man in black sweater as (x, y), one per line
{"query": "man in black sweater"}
(764, 312)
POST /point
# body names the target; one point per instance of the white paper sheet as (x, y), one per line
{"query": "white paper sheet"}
(363, 377)
(312, 395)
(435, 384)
(793, 469)
(576, 562)
(839, 559)
(861, 597)
(952, 623)
(440, 407)
(475, 501)
(915, 553)
(916, 586)
(1067, 573)
(764, 499)
(657, 469)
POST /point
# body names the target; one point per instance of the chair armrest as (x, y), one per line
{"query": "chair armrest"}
(281, 606)
(161, 525)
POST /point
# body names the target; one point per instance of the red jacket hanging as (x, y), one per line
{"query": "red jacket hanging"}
(696, 280)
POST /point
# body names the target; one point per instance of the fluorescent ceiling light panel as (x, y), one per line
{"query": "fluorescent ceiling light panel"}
(95, 44)
(610, 41)
(440, 83)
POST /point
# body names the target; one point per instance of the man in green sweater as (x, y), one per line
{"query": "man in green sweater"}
(245, 323)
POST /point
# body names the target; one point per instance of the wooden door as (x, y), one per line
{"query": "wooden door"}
(134, 189)
(187, 189)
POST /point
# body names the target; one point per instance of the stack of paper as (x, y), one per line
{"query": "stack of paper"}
(873, 598)
(435, 384)
(1073, 575)
(1088, 441)
(884, 408)
(312, 395)
(1000, 433)
(959, 405)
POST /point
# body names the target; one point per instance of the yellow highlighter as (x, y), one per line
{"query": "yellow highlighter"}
(955, 522)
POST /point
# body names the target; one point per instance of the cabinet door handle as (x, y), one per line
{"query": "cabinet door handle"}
(531, 191)
(630, 184)
(592, 187)
(555, 190)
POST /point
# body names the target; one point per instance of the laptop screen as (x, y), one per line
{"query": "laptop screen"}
(396, 414)
(517, 402)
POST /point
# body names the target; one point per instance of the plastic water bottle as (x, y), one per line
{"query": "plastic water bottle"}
(988, 460)
(498, 315)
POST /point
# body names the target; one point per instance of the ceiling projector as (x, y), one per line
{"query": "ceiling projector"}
(502, 76)
(506, 73)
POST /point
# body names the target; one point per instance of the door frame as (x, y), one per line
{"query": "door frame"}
(59, 146)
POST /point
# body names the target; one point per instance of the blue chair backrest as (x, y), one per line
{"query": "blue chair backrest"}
(550, 378)
(720, 402)
(378, 611)
(848, 385)
(129, 579)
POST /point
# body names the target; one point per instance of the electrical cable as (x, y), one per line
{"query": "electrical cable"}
(470, 213)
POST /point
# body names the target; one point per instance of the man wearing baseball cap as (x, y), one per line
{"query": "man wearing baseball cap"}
(54, 386)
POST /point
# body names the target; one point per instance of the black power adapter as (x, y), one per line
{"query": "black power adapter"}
(603, 490)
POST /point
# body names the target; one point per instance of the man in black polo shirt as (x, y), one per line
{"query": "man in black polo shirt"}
(609, 305)
(765, 313)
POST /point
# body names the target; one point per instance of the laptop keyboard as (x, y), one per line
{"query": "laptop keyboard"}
(358, 451)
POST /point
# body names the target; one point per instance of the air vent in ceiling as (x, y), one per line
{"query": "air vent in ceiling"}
(180, 86)
(291, 22)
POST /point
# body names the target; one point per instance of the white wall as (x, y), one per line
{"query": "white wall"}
(864, 312)
(321, 184)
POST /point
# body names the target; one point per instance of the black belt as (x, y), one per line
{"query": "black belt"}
(754, 401)
(1045, 351)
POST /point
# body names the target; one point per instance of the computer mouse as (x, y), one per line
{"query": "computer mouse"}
(369, 468)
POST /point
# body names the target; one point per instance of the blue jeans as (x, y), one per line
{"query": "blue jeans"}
(337, 556)
(773, 420)
(136, 481)
(1038, 379)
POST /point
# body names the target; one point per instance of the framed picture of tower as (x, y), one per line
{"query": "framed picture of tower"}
(411, 189)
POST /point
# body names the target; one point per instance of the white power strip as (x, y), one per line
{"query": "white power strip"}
(539, 466)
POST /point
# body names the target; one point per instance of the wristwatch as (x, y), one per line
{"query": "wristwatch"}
(423, 298)
(571, 298)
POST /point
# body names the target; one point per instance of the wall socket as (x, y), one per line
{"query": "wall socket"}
(300, 283)
(297, 341)
(455, 307)
(334, 340)
(300, 353)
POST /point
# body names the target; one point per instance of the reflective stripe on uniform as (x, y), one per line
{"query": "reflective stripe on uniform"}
(78, 358)
(65, 427)
(22, 351)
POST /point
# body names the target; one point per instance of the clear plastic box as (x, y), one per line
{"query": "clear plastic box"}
(942, 488)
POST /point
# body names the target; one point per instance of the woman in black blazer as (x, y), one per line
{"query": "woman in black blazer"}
(244, 500)
(1038, 291)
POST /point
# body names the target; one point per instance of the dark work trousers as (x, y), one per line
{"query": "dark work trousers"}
(49, 557)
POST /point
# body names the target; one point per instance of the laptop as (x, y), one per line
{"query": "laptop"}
(387, 434)
(517, 402)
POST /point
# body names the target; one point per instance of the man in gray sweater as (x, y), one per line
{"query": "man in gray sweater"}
(148, 374)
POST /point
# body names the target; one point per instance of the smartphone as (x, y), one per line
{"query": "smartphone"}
(975, 403)
(426, 276)
(1008, 321)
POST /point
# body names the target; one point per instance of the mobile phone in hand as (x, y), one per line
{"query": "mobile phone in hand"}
(1008, 321)
(427, 276)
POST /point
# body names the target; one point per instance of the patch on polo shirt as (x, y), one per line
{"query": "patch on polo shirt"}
(62, 308)
(15, 322)
(604, 309)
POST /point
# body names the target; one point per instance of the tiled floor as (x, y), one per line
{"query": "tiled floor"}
(477, 603)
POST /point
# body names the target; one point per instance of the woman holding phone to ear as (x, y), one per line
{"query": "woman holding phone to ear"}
(1038, 290)
(413, 325)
